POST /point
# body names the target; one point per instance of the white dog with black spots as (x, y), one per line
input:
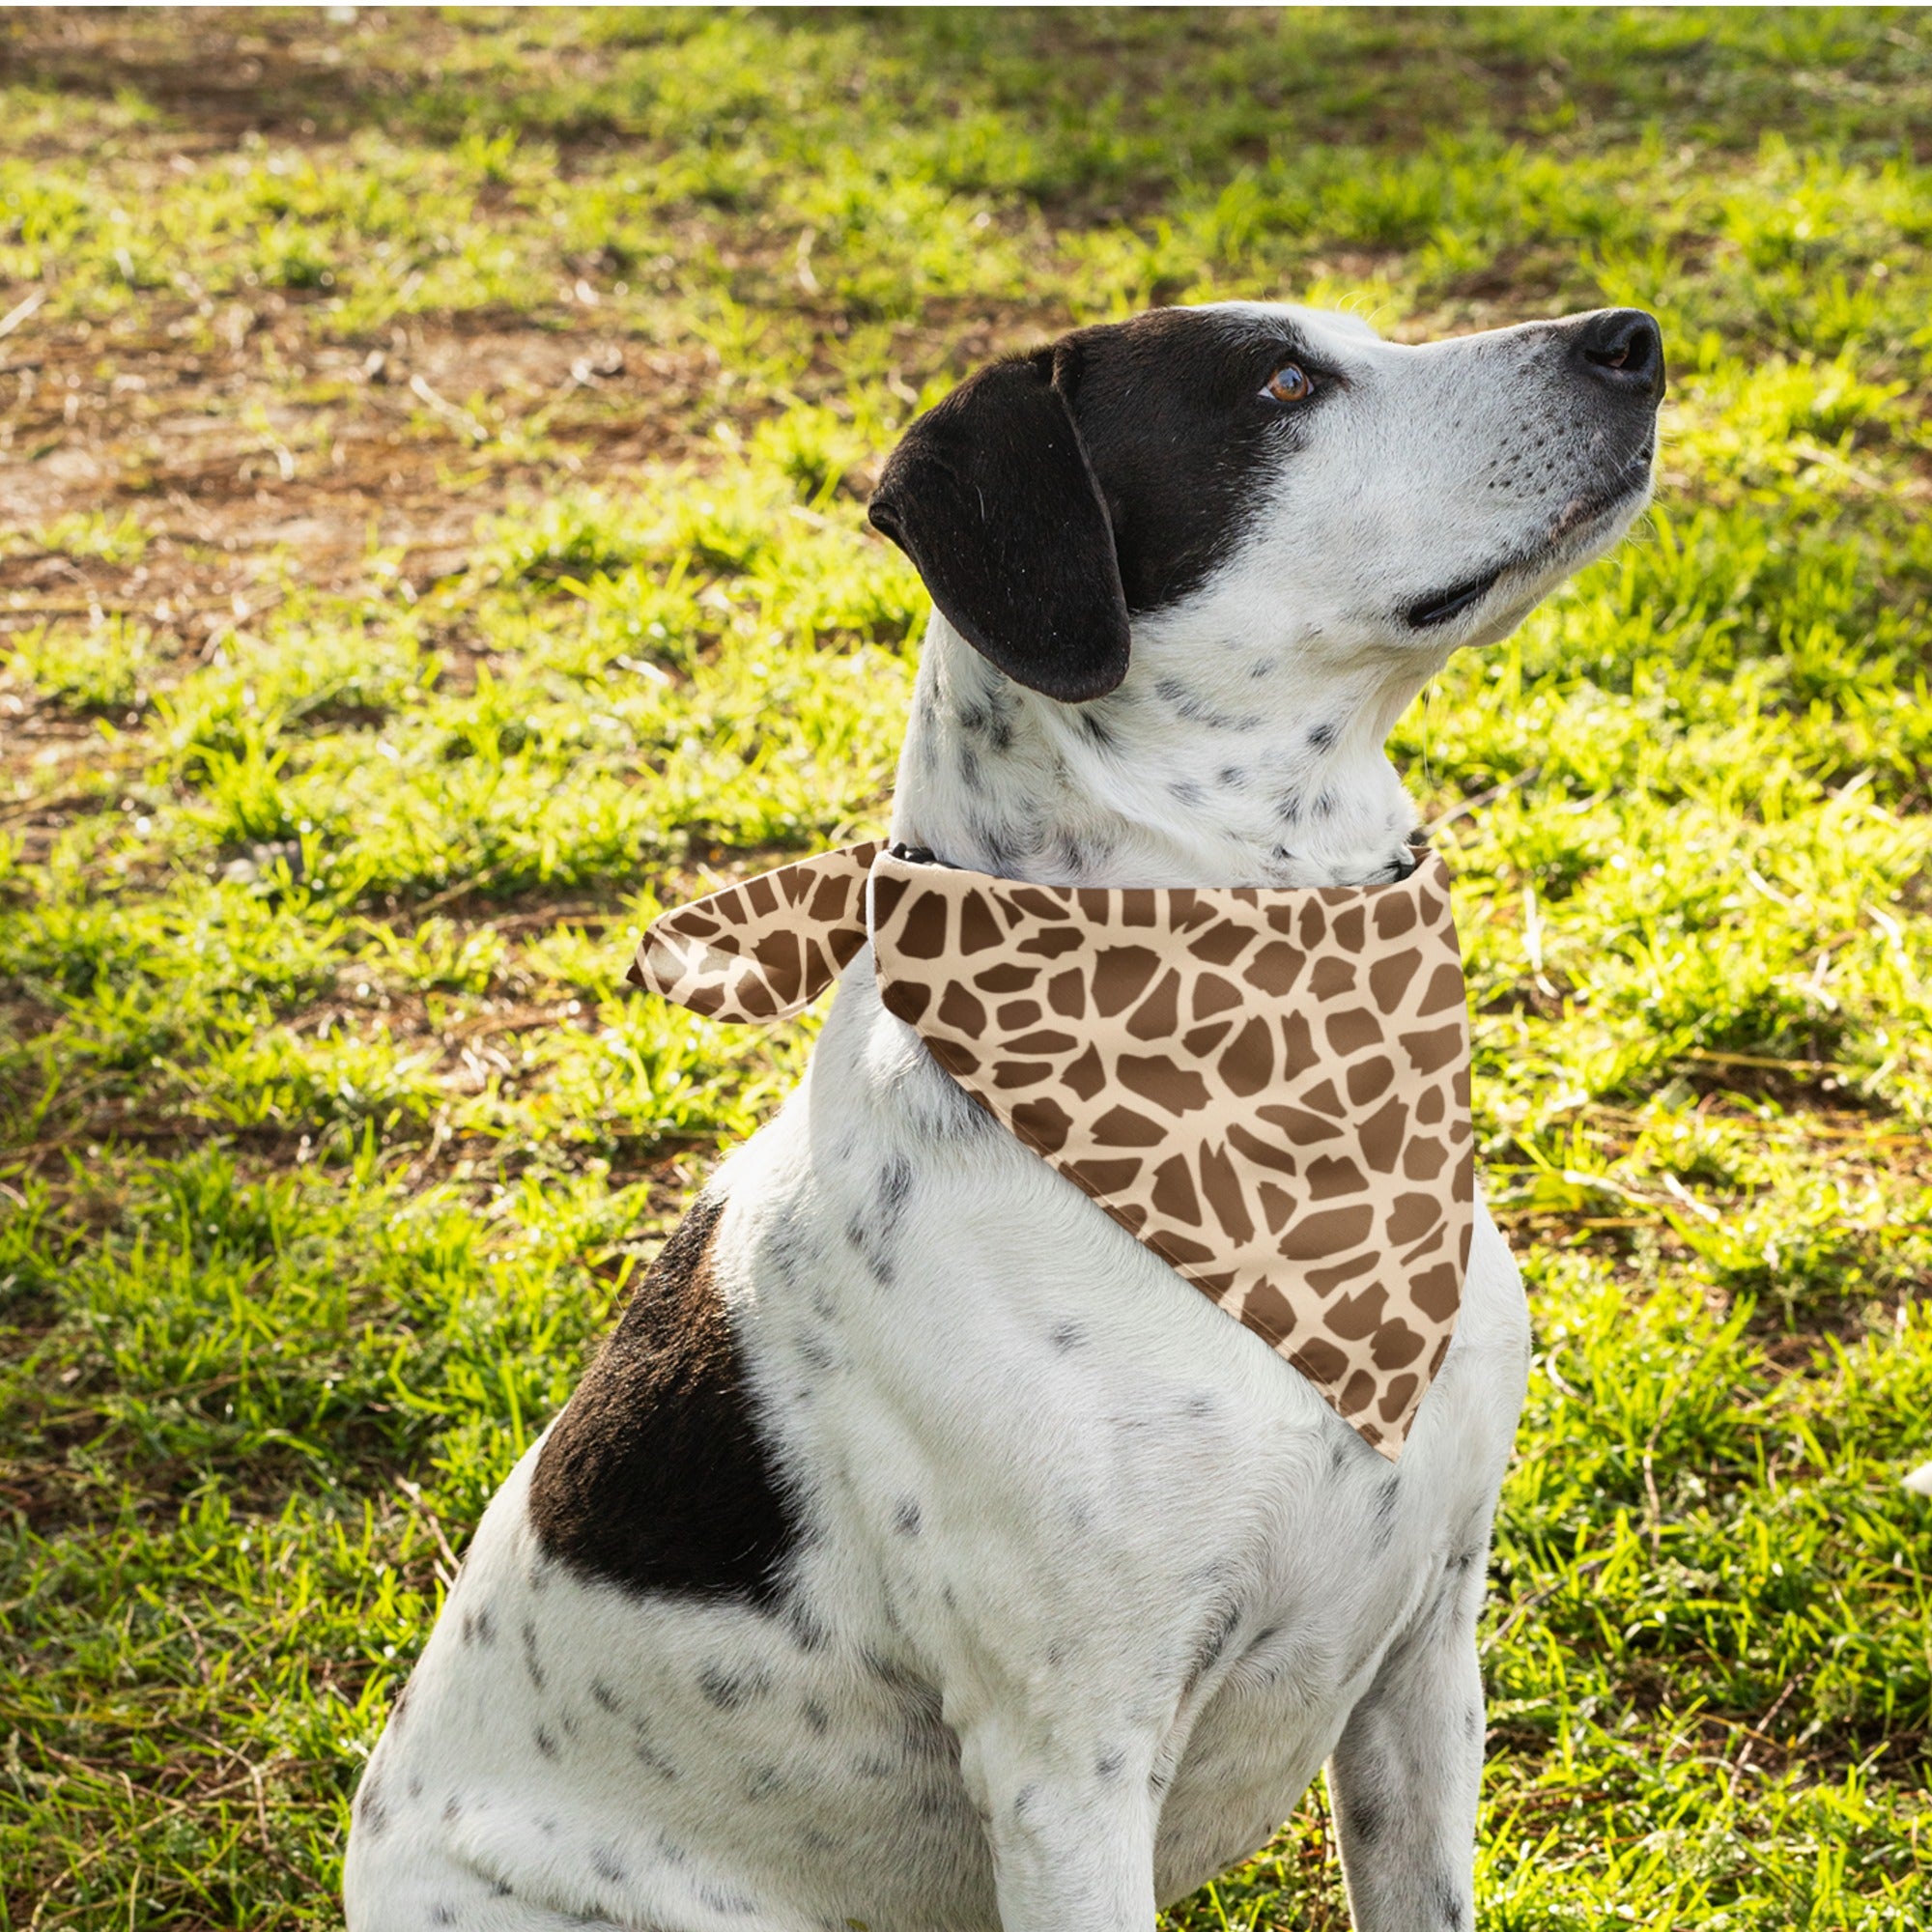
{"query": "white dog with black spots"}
(921, 1554)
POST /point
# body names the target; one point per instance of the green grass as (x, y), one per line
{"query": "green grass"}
(432, 534)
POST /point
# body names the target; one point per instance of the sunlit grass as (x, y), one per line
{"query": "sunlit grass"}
(331, 1139)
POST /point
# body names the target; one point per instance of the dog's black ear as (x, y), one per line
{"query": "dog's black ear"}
(992, 496)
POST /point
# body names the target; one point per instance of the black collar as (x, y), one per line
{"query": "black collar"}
(1410, 861)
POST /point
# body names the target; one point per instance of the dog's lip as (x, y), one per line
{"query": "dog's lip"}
(1580, 512)
(1631, 480)
(1439, 606)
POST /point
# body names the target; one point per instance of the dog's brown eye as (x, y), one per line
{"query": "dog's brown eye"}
(1290, 383)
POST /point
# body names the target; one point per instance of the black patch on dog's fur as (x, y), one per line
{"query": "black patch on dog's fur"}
(1050, 496)
(1365, 1819)
(1170, 407)
(370, 1809)
(656, 1476)
(991, 495)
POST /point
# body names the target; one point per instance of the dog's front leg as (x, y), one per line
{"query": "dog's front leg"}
(1404, 1776)
(1070, 1821)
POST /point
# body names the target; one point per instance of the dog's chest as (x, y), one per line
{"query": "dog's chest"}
(1029, 1446)
(1040, 1490)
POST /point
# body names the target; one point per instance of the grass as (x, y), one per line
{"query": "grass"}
(433, 452)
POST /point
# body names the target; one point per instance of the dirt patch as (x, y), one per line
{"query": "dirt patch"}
(222, 72)
(280, 444)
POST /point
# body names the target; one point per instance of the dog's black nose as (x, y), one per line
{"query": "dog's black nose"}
(1624, 348)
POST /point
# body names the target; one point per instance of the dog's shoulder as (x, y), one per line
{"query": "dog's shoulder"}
(656, 1476)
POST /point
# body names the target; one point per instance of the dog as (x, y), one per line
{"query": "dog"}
(921, 1553)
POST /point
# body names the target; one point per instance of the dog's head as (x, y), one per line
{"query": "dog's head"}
(1252, 462)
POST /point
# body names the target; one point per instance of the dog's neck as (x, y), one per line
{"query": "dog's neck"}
(1239, 768)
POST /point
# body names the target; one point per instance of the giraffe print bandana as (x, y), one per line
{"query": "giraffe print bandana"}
(1268, 1087)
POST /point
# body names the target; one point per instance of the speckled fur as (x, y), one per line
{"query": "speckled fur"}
(1088, 1583)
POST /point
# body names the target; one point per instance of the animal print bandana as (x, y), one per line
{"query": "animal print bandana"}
(1268, 1087)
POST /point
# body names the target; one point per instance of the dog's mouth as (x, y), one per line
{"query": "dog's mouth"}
(1580, 512)
(1439, 606)
(1578, 518)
